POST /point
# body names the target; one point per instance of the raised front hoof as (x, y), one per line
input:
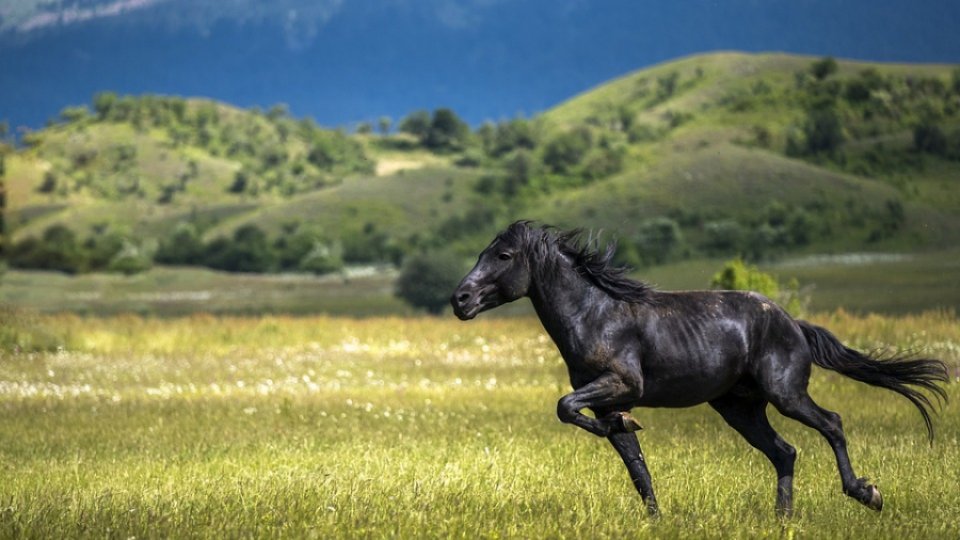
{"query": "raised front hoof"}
(623, 422)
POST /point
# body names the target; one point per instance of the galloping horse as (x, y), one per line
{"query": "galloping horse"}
(627, 345)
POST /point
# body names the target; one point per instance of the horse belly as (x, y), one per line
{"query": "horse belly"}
(684, 383)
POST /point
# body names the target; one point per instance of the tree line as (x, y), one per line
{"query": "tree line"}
(298, 248)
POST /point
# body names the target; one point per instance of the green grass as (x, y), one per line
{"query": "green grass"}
(403, 203)
(330, 428)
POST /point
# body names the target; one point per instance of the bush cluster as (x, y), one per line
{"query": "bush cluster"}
(61, 250)
(840, 107)
(248, 249)
(277, 154)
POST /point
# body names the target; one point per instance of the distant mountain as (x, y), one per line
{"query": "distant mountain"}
(345, 61)
(711, 155)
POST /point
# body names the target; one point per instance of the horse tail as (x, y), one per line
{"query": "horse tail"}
(902, 373)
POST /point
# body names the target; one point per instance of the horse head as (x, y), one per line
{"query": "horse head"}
(501, 275)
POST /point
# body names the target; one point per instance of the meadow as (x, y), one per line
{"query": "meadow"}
(324, 427)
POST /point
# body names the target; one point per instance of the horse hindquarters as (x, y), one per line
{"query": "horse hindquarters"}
(785, 386)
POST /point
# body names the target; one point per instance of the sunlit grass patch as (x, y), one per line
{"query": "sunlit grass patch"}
(324, 427)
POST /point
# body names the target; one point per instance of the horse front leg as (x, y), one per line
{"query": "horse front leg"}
(609, 397)
(606, 392)
(627, 445)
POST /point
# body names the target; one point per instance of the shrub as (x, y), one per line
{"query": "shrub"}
(323, 259)
(738, 276)
(131, 259)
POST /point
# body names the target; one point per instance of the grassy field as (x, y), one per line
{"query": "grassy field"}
(323, 427)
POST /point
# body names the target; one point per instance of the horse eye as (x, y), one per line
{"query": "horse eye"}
(504, 256)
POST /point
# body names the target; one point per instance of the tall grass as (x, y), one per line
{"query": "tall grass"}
(208, 427)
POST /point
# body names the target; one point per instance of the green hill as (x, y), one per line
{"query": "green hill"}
(712, 155)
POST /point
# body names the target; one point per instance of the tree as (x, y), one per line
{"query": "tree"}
(102, 247)
(49, 184)
(241, 180)
(248, 251)
(823, 129)
(416, 123)
(723, 237)
(74, 114)
(446, 132)
(658, 239)
(182, 246)
(929, 137)
(384, 123)
(104, 104)
(508, 136)
(518, 169)
(428, 279)
(566, 150)
(57, 250)
(823, 68)
(667, 85)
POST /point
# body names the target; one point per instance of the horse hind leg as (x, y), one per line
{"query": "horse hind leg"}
(803, 409)
(748, 416)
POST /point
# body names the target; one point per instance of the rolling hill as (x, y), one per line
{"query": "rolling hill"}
(711, 155)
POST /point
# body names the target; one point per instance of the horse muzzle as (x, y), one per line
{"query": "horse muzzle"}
(468, 302)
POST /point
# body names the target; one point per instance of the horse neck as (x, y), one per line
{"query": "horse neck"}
(564, 300)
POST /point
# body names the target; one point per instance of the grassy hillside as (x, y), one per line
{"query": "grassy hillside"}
(724, 136)
(709, 156)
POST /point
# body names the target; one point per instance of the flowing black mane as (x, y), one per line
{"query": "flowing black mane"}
(590, 262)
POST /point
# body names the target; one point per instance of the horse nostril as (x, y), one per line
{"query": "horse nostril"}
(463, 297)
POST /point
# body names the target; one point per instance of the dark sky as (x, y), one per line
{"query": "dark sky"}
(343, 61)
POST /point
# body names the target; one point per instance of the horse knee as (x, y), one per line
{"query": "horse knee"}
(567, 409)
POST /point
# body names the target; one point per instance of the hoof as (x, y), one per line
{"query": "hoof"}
(875, 502)
(653, 512)
(628, 422)
(867, 494)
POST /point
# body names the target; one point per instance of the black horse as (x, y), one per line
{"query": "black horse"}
(627, 345)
